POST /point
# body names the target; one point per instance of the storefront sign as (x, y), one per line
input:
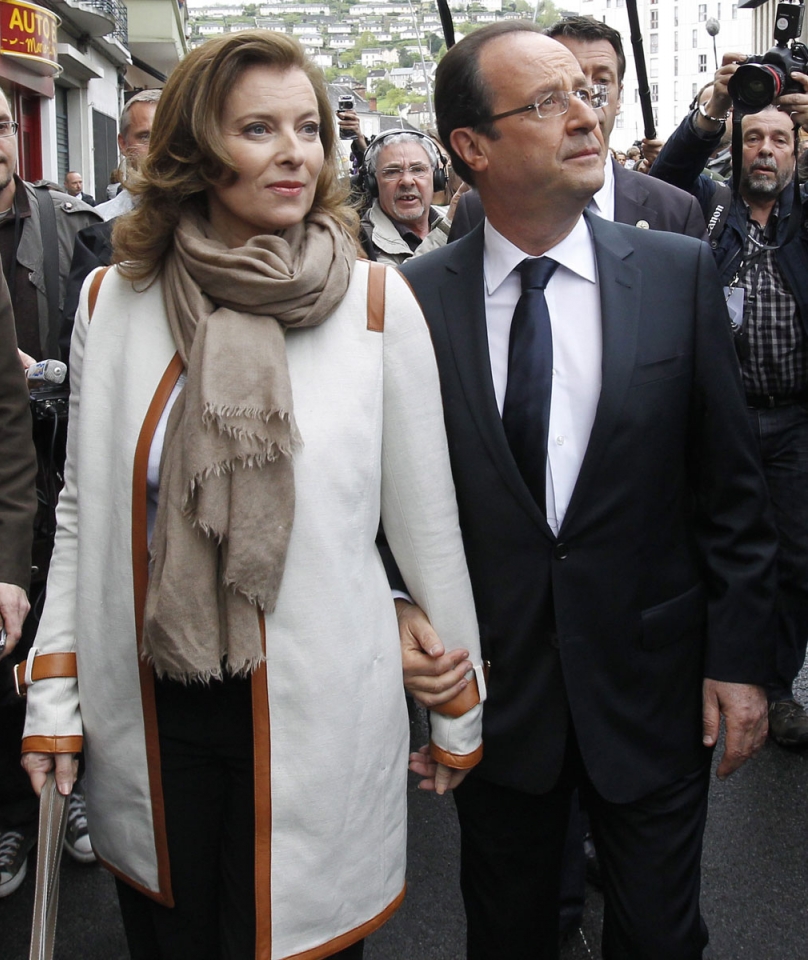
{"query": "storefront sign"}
(28, 33)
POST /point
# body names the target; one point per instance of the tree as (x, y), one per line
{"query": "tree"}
(405, 58)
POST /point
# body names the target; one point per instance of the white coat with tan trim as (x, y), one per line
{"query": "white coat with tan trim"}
(330, 718)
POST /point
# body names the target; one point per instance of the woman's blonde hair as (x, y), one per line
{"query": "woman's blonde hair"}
(187, 152)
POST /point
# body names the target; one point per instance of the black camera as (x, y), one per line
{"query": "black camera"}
(345, 102)
(762, 79)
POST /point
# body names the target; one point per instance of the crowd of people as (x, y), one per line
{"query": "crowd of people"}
(493, 427)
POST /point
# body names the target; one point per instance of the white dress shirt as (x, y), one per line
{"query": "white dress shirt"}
(573, 301)
(603, 201)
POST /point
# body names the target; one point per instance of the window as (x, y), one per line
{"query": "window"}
(618, 121)
(654, 43)
(676, 16)
(702, 63)
(694, 90)
(718, 12)
(654, 93)
(734, 11)
(695, 38)
(676, 66)
(675, 91)
(702, 12)
(675, 41)
(655, 19)
(654, 71)
(636, 97)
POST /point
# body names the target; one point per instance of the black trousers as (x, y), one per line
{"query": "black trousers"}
(650, 854)
(206, 746)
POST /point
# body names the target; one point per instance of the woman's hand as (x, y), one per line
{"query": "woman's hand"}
(434, 776)
(39, 765)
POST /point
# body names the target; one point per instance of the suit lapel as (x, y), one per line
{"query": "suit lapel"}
(620, 290)
(631, 198)
(462, 295)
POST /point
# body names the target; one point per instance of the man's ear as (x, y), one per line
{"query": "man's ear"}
(467, 144)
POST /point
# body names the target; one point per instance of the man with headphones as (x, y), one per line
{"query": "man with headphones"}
(403, 171)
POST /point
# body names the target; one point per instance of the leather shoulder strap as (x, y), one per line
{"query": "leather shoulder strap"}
(376, 280)
(95, 286)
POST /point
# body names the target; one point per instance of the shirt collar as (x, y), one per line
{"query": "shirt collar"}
(575, 252)
(602, 203)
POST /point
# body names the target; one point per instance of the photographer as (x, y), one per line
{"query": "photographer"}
(403, 171)
(762, 258)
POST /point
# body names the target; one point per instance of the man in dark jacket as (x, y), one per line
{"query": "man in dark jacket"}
(763, 262)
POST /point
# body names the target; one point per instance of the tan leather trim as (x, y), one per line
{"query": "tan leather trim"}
(376, 279)
(95, 286)
(46, 666)
(140, 577)
(468, 697)
(263, 806)
(52, 744)
(151, 894)
(358, 933)
(457, 761)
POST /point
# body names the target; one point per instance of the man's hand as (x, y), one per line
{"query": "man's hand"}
(14, 608)
(434, 776)
(651, 149)
(349, 120)
(431, 675)
(26, 360)
(796, 104)
(38, 765)
(745, 713)
(463, 188)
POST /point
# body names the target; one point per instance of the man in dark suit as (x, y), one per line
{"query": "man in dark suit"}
(626, 196)
(74, 185)
(614, 518)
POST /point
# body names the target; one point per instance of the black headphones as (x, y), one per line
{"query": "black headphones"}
(440, 176)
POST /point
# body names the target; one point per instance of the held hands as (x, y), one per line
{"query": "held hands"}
(745, 713)
(796, 104)
(431, 676)
(434, 776)
(38, 765)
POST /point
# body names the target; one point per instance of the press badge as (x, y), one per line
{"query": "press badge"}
(734, 297)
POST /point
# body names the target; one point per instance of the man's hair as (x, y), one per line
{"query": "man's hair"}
(188, 152)
(588, 30)
(405, 136)
(145, 96)
(462, 98)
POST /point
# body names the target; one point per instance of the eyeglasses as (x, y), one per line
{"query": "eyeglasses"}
(420, 171)
(9, 128)
(556, 103)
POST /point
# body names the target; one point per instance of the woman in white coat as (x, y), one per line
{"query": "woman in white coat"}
(248, 401)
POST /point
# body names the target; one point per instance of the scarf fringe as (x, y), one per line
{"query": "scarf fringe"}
(203, 676)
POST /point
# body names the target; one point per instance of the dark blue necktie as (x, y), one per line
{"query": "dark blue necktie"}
(526, 411)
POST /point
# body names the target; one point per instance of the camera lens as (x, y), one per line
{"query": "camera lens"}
(754, 86)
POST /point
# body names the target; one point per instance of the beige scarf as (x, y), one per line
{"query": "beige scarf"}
(227, 490)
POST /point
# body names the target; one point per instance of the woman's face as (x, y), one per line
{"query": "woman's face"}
(271, 128)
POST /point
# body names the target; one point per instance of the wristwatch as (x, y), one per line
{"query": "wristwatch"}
(703, 112)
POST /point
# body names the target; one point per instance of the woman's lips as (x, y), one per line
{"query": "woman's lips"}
(286, 188)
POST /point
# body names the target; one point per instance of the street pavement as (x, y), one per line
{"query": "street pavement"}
(755, 880)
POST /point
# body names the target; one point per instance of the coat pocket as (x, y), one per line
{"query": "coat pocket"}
(681, 619)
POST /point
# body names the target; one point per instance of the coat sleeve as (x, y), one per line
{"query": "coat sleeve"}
(734, 523)
(17, 457)
(53, 718)
(419, 510)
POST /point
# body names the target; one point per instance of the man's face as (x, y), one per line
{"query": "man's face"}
(8, 147)
(73, 184)
(136, 142)
(598, 60)
(404, 176)
(537, 164)
(768, 154)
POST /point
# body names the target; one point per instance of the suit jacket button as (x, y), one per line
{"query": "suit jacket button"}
(561, 551)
